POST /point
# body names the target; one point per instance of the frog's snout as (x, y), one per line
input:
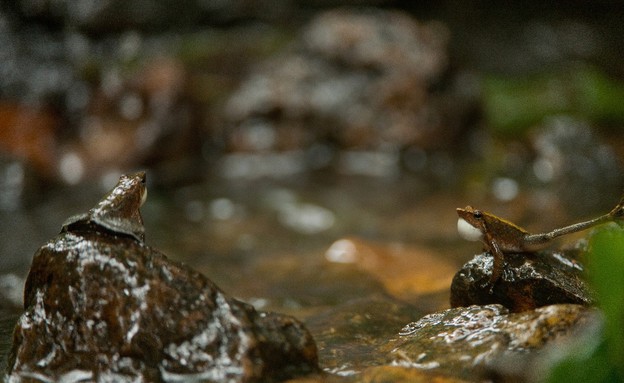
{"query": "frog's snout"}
(467, 231)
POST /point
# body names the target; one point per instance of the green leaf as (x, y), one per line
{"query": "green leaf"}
(605, 363)
(606, 271)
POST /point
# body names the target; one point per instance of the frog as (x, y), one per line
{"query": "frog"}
(501, 236)
(117, 212)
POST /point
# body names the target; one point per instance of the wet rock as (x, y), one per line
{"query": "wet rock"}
(358, 80)
(348, 334)
(101, 305)
(528, 281)
(471, 342)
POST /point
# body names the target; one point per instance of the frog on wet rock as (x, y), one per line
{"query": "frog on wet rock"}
(102, 305)
(500, 236)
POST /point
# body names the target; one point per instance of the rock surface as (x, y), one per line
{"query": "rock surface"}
(469, 342)
(360, 341)
(528, 281)
(360, 77)
(356, 81)
(102, 305)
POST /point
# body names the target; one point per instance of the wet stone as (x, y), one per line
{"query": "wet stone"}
(528, 281)
(101, 305)
(358, 79)
(476, 341)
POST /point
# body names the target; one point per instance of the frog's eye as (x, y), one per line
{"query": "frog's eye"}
(477, 214)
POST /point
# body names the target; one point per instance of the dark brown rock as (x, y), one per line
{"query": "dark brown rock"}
(528, 281)
(101, 305)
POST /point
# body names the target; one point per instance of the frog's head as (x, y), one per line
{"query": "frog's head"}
(470, 223)
(118, 211)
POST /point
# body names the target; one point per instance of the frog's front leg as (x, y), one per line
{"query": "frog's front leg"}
(499, 259)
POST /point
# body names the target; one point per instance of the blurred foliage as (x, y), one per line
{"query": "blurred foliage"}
(604, 363)
(514, 105)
